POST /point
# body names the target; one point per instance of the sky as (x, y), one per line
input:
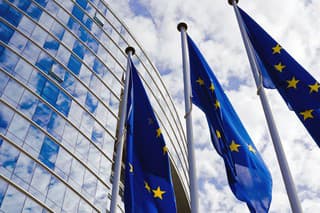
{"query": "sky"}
(213, 27)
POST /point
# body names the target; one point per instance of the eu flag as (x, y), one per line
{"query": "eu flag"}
(248, 176)
(148, 184)
(296, 86)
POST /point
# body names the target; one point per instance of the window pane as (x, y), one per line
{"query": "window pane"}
(48, 153)
(23, 171)
(33, 141)
(55, 194)
(8, 158)
(5, 117)
(28, 103)
(18, 128)
(13, 200)
(42, 115)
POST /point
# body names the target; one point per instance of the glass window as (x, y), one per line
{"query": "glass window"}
(13, 200)
(63, 164)
(23, 70)
(70, 135)
(3, 187)
(84, 207)
(50, 92)
(37, 81)
(43, 3)
(101, 197)
(71, 201)
(55, 194)
(69, 82)
(12, 16)
(90, 185)
(76, 174)
(18, 129)
(74, 64)
(63, 16)
(31, 206)
(99, 68)
(5, 32)
(82, 3)
(52, 7)
(33, 141)
(56, 126)
(91, 102)
(87, 124)
(18, 41)
(3, 81)
(108, 145)
(57, 30)
(40, 182)
(51, 45)
(46, 20)
(79, 49)
(85, 75)
(26, 26)
(87, 22)
(42, 115)
(8, 60)
(28, 103)
(8, 159)
(83, 34)
(44, 62)
(94, 157)
(105, 169)
(82, 147)
(75, 113)
(77, 13)
(34, 12)
(48, 153)
(68, 39)
(63, 103)
(80, 93)
(31, 52)
(13, 92)
(23, 171)
(39, 35)
(63, 55)
(98, 134)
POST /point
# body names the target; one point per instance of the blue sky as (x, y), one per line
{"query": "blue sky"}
(212, 25)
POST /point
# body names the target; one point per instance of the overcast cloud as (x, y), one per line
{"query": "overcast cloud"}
(212, 25)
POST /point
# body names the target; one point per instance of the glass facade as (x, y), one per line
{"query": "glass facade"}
(61, 68)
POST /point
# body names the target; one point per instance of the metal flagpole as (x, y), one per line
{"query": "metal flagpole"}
(123, 116)
(284, 167)
(182, 27)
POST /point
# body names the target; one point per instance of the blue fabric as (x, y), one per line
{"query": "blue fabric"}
(300, 97)
(248, 176)
(147, 164)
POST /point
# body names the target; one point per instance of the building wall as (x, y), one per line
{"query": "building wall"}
(61, 69)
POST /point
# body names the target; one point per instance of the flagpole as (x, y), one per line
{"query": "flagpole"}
(182, 27)
(119, 142)
(284, 167)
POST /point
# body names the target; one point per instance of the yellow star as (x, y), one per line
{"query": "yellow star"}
(314, 87)
(130, 168)
(251, 149)
(217, 104)
(158, 132)
(146, 186)
(165, 150)
(211, 87)
(158, 193)
(307, 114)
(234, 147)
(292, 83)
(218, 134)
(276, 49)
(200, 81)
(279, 67)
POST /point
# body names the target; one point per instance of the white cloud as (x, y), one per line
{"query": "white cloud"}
(212, 25)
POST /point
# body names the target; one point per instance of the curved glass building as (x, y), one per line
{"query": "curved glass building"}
(61, 68)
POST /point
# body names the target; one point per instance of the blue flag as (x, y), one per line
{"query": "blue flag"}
(296, 86)
(148, 184)
(248, 176)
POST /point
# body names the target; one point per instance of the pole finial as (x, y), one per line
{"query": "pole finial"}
(130, 49)
(181, 26)
(233, 1)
